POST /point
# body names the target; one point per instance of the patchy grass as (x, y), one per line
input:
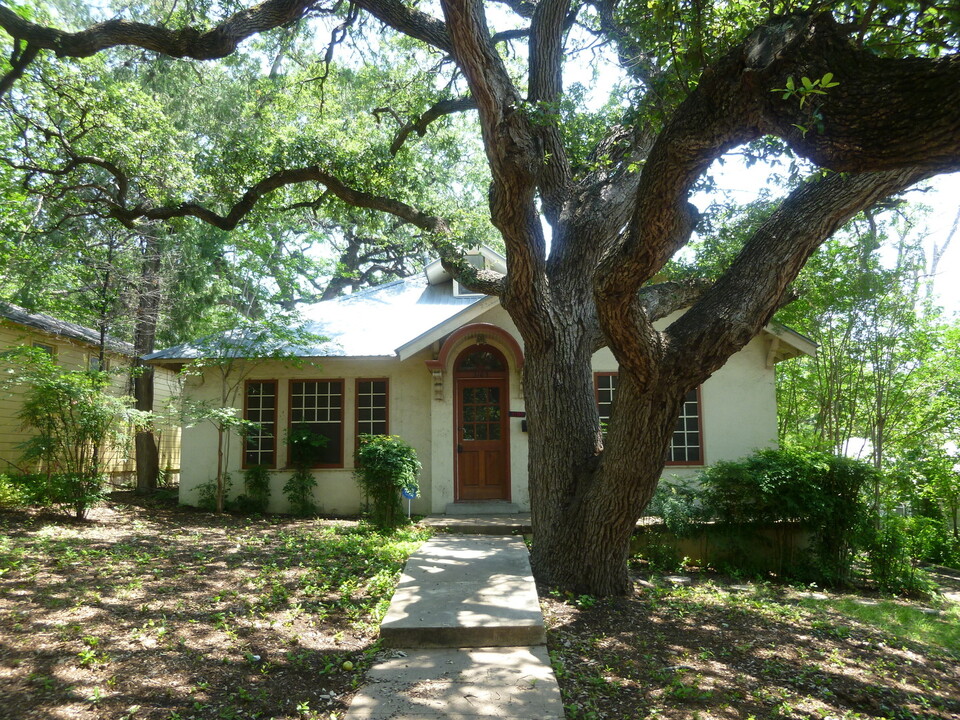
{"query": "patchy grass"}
(171, 614)
(711, 650)
(937, 627)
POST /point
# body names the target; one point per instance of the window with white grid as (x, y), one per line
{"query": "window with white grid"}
(372, 407)
(260, 407)
(606, 386)
(317, 405)
(686, 441)
(686, 444)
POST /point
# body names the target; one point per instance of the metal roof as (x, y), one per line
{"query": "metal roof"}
(61, 328)
(371, 323)
(400, 318)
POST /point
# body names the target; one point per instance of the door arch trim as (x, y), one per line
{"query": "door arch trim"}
(473, 330)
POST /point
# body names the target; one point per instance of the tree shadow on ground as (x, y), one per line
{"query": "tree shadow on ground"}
(154, 612)
(675, 652)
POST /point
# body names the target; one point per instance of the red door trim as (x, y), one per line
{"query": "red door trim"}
(501, 379)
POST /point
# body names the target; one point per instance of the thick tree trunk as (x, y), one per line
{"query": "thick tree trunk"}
(586, 501)
(585, 505)
(148, 307)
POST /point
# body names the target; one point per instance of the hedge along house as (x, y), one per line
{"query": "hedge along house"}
(75, 347)
(425, 359)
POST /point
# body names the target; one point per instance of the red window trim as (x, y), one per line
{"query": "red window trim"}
(356, 403)
(276, 421)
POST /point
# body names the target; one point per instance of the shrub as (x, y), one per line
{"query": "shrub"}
(891, 548)
(304, 444)
(207, 493)
(299, 492)
(256, 486)
(676, 503)
(73, 419)
(931, 540)
(385, 466)
(821, 492)
(12, 492)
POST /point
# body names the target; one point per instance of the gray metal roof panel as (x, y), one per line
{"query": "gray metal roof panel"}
(61, 328)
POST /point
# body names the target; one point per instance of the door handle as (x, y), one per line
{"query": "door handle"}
(459, 448)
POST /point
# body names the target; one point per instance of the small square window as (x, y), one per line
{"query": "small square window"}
(93, 363)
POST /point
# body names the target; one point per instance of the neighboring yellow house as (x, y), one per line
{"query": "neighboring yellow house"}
(76, 347)
(427, 360)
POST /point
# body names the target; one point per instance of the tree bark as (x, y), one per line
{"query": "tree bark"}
(145, 333)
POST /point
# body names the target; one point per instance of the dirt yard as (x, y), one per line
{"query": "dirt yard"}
(158, 612)
(154, 611)
(715, 648)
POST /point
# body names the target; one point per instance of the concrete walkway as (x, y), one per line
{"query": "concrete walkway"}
(467, 637)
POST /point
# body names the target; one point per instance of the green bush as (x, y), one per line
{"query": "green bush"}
(207, 493)
(385, 466)
(823, 493)
(676, 504)
(304, 444)
(256, 486)
(73, 419)
(891, 549)
(932, 541)
(827, 495)
(299, 492)
(12, 492)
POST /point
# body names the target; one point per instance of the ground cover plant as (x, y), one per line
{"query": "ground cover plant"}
(164, 613)
(717, 649)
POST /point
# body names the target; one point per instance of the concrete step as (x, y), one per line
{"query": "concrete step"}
(467, 684)
(465, 591)
(487, 507)
(480, 524)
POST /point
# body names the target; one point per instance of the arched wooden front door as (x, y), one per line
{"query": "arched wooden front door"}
(482, 426)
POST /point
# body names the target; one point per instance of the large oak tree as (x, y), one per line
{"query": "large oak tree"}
(870, 92)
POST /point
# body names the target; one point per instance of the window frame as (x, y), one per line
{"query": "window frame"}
(357, 407)
(672, 463)
(50, 350)
(596, 393)
(95, 358)
(700, 446)
(244, 465)
(342, 423)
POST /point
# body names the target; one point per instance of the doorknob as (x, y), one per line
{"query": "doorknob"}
(459, 448)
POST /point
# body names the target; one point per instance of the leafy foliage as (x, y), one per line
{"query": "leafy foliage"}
(385, 466)
(823, 493)
(256, 487)
(73, 419)
(299, 487)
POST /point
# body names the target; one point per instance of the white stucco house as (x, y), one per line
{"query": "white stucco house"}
(425, 359)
